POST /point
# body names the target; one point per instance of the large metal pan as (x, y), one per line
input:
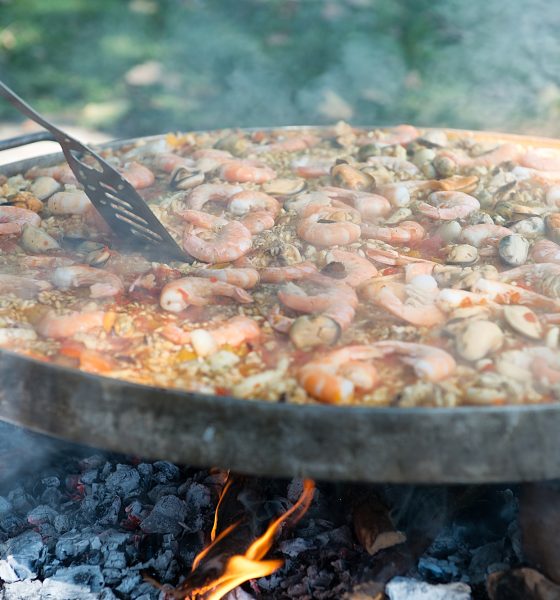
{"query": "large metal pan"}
(460, 445)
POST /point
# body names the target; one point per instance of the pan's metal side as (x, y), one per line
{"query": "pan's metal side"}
(463, 445)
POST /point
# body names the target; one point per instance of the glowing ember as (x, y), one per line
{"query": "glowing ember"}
(240, 568)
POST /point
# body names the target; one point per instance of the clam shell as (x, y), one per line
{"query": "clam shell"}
(284, 186)
(530, 228)
(478, 339)
(43, 187)
(523, 320)
(450, 231)
(35, 239)
(434, 138)
(462, 254)
(349, 177)
(185, 179)
(513, 249)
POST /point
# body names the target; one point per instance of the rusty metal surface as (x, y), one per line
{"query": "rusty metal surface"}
(423, 445)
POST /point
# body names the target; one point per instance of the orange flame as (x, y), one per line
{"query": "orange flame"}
(241, 568)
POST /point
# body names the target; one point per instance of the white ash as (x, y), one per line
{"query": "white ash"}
(401, 588)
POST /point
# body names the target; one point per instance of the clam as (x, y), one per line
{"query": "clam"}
(308, 331)
(423, 155)
(458, 183)
(401, 214)
(290, 254)
(43, 187)
(513, 249)
(444, 166)
(478, 339)
(369, 150)
(35, 239)
(449, 231)
(523, 320)
(530, 228)
(462, 254)
(97, 258)
(433, 139)
(552, 225)
(284, 187)
(347, 176)
(184, 178)
(84, 246)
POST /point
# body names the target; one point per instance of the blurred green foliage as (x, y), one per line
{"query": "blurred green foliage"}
(146, 66)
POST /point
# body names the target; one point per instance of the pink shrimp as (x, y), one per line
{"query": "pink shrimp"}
(246, 171)
(405, 233)
(398, 194)
(428, 362)
(335, 300)
(62, 173)
(390, 256)
(484, 233)
(211, 192)
(546, 251)
(168, 162)
(75, 202)
(357, 268)
(288, 273)
(320, 229)
(505, 293)
(137, 175)
(334, 377)
(243, 277)
(412, 302)
(311, 168)
(370, 206)
(101, 283)
(198, 291)
(400, 134)
(229, 240)
(530, 272)
(22, 287)
(63, 326)
(503, 153)
(251, 200)
(448, 205)
(296, 143)
(257, 222)
(13, 219)
(542, 159)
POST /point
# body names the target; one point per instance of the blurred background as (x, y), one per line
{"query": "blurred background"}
(138, 67)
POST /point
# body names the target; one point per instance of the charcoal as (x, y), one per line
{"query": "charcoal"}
(41, 514)
(12, 524)
(52, 497)
(402, 588)
(71, 545)
(62, 523)
(5, 506)
(124, 481)
(115, 560)
(166, 516)
(52, 481)
(482, 558)
(89, 477)
(110, 510)
(21, 557)
(436, 570)
(112, 576)
(21, 501)
(87, 576)
(129, 583)
(295, 547)
(165, 471)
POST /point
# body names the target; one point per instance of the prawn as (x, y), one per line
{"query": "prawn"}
(531, 272)
(505, 293)
(503, 153)
(288, 273)
(243, 277)
(448, 205)
(230, 241)
(336, 301)
(102, 283)
(257, 222)
(321, 229)
(290, 144)
(168, 162)
(311, 168)
(541, 159)
(61, 173)
(246, 171)
(428, 362)
(211, 192)
(75, 202)
(389, 256)
(137, 175)
(198, 291)
(400, 134)
(370, 206)
(251, 200)
(63, 326)
(13, 219)
(412, 302)
(484, 233)
(335, 377)
(357, 268)
(22, 287)
(405, 233)
(546, 251)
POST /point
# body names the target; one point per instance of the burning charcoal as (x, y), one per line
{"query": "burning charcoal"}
(111, 512)
(71, 545)
(402, 588)
(41, 514)
(165, 471)
(86, 577)
(161, 490)
(21, 501)
(129, 583)
(21, 557)
(521, 584)
(198, 501)
(124, 481)
(373, 526)
(165, 517)
(52, 497)
(238, 594)
(296, 546)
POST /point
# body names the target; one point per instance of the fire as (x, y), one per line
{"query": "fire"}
(240, 568)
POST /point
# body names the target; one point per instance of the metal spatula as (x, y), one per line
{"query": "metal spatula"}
(119, 204)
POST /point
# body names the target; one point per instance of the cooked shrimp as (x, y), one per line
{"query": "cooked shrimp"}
(545, 365)
(357, 268)
(413, 302)
(428, 362)
(296, 143)
(168, 162)
(257, 222)
(390, 256)
(289, 273)
(22, 287)
(246, 171)
(553, 196)
(63, 326)
(243, 277)
(542, 159)
(102, 283)
(230, 240)
(542, 177)
(530, 272)
(400, 134)
(137, 175)
(211, 192)
(500, 154)
(484, 233)
(505, 293)
(251, 200)
(335, 377)
(370, 206)
(198, 291)
(399, 194)
(13, 219)
(405, 233)
(75, 202)
(335, 300)
(545, 251)
(62, 174)
(448, 205)
(311, 168)
(320, 229)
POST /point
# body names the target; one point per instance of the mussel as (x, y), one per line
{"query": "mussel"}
(184, 178)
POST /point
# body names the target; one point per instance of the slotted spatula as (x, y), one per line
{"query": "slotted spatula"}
(117, 201)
